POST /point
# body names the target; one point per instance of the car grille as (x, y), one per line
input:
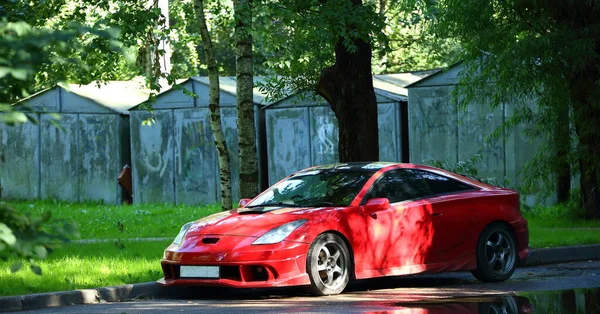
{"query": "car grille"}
(242, 273)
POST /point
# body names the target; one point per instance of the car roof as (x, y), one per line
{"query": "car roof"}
(372, 166)
(379, 165)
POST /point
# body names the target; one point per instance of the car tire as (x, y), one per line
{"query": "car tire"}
(328, 265)
(496, 254)
(506, 305)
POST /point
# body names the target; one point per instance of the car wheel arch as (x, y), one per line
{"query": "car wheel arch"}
(506, 224)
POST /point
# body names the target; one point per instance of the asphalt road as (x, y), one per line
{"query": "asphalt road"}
(368, 296)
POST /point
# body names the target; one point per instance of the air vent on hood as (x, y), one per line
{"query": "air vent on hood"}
(210, 240)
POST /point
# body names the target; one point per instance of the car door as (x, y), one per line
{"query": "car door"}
(451, 209)
(401, 234)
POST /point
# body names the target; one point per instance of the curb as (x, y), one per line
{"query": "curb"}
(563, 254)
(151, 290)
(85, 296)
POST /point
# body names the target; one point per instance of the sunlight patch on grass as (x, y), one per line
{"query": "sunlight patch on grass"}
(81, 266)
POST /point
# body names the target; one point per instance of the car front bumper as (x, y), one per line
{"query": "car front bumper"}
(241, 264)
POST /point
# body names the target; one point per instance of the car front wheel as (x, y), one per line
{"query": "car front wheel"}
(496, 254)
(328, 264)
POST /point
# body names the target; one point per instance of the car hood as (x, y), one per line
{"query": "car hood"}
(255, 221)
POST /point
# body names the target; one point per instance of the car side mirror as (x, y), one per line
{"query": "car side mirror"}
(244, 202)
(376, 205)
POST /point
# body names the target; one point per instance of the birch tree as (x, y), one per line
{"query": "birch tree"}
(215, 111)
(245, 101)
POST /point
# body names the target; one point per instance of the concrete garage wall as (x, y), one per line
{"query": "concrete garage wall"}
(76, 157)
(440, 130)
(302, 130)
(290, 142)
(301, 134)
(20, 161)
(175, 158)
(152, 157)
(59, 173)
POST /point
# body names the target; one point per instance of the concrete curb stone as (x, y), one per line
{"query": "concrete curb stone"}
(563, 254)
(152, 290)
(84, 296)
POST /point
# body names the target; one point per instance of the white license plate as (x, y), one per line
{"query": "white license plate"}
(199, 272)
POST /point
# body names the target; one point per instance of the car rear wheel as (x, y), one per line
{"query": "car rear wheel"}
(503, 305)
(328, 264)
(496, 254)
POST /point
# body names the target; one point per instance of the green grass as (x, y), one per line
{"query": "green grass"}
(93, 265)
(560, 225)
(80, 266)
(543, 237)
(535, 222)
(98, 221)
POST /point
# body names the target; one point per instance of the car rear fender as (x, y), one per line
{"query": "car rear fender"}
(511, 227)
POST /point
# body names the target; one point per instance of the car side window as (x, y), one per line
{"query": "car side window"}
(406, 184)
(400, 185)
(440, 184)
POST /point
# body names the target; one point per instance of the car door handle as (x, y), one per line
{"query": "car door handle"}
(436, 214)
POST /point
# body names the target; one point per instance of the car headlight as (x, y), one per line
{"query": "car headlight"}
(278, 234)
(182, 232)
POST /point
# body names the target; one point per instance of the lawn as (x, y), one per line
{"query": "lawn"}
(121, 260)
(117, 261)
(559, 225)
(80, 266)
(99, 221)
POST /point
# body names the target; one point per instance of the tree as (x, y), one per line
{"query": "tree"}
(348, 87)
(215, 110)
(245, 99)
(333, 47)
(326, 46)
(543, 50)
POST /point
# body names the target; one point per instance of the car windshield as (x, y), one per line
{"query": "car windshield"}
(316, 188)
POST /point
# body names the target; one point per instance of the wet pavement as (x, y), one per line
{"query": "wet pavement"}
(561, 288)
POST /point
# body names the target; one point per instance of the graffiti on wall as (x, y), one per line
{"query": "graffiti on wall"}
(194, 147)
(325, 132)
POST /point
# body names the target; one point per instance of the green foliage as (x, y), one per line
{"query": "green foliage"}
(560, 214)
(188, 59)
(26, 50)
(30, 237)
(541, 58)
(299, 37)
(411, 44)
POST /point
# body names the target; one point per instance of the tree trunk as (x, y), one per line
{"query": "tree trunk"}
(562, 142)
(582, 19)
(215, 111)
(348, 87)
(587, 119)
(245, 102)
(382, 6)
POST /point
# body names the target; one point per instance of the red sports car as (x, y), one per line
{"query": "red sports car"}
(326, 225)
